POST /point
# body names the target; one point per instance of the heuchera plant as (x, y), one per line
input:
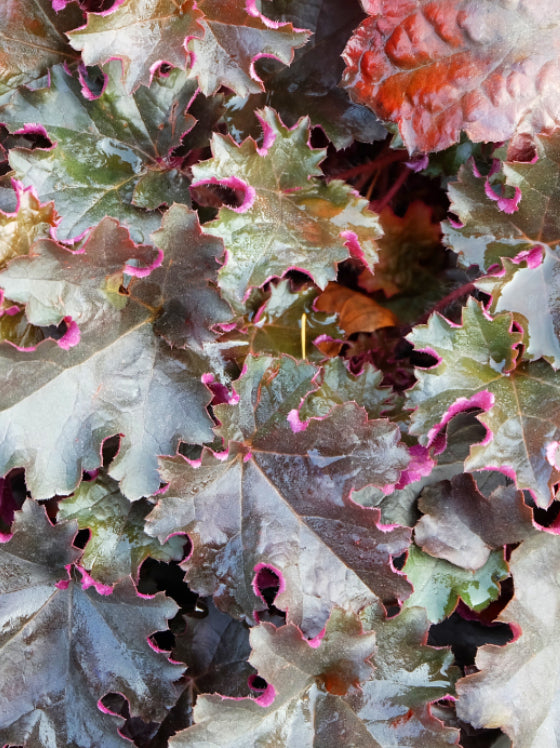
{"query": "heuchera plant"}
(279, 387)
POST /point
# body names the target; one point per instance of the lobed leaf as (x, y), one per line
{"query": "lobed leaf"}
(236, 34)
(530, 290)
(289, 490)
(461, 525)
(493, 225)
(401, 506)
(326, 692)
(289, 218)
(55, 282)
(475, 371)
(306, 683)
(104, 148)
(497, 695)
(337, 385)
(64, 647)
(115, 376)
(277, 326)
(409, 676)
(181, 286)
(30, 221)
(216, 649)
(143, 34)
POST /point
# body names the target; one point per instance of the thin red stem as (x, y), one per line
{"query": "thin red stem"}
(371, 166)
(378, 205)
(464, 290)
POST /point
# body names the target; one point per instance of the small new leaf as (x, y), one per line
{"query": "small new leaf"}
(117, 545)
(438, 585)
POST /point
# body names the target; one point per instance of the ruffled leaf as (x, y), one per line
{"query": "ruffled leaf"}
(438, 585)
(497, 695)
(235, 35)
(310, 84)
(117, 543)
(326, 692)
(475, 370)
(508, 212)
(103, 148)
(115, 376)
(290, 490)
(462, 526)
(64, 647)
(288, 218)
(143, 34)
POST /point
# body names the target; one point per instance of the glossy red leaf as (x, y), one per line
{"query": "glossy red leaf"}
(440, 67)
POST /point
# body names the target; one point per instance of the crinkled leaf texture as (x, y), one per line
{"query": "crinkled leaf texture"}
(476, 370)
(65, 646)
(291, 492)
(409, 676)
(289, 218)
(499, 695)
(107, 151)
(115, 377)
(326, 692)
(439, 68)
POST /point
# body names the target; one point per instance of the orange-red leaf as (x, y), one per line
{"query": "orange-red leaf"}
(437, 67)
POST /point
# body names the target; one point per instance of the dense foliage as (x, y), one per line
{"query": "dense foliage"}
(280, 399)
